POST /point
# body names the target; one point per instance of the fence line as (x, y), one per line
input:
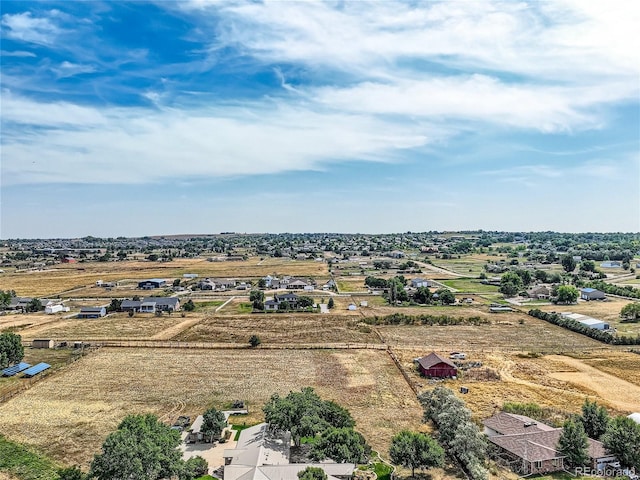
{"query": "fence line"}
(27, 383)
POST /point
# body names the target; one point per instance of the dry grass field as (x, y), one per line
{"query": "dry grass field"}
(504, 334)
(547, 380)
(624, 365)
(69, 415)
(64, 277)
(114, 326)
(280, 329)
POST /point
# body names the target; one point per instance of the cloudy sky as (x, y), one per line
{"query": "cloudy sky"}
(202, 116)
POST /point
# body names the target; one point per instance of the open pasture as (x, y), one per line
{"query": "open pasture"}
(113, 326)
(505, 333)
(68, 416)
(278, 328)
(64, 277)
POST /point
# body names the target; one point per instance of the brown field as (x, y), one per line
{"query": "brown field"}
(623, 365)
(276, 328)
(64, 277)
(69, 415)
(114, 326)
(351, 284)
(538, 380)
(504, 334)
(620, 393)
(20, 321)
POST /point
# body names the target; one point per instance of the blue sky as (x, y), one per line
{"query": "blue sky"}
(202, 116)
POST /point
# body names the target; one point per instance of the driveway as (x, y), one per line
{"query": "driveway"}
(213, 453)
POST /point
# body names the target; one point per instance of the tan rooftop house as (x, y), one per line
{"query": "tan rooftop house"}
(262, 454)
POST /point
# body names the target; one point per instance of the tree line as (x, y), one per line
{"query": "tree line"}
(575, 326)
(402, 319)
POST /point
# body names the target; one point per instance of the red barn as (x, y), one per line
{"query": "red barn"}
(433, 365)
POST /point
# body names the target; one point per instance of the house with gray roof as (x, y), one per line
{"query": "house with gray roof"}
(165, 304)
(262, 453)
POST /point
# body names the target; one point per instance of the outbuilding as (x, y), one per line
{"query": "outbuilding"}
(591, 294)
(92, 312)
(152, 283)
(42, 343)
(433, 365)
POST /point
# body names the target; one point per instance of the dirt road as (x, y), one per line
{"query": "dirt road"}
(619, 393)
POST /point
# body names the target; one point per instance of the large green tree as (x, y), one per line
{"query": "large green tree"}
(510, 284)
(342, 445)
(304, 414)
(595, 419)
(143, 448)
(213, 423)
(631, 312)
(567, 294)
(622, 439)
(568, 263)
(415, 450)
(11, 349)
(573, 443)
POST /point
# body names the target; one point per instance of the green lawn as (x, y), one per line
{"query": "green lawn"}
(469, 285)
(382, 470)
(24, 462)
(207, 305)
(245, 308)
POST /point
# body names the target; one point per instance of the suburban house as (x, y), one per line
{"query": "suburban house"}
(151, 305)
(298, 285)
(539, 292)
(611, 264)
(216, 284)
(421, 282)
(92, 312)
(152, 283)
(530, 447)
(264, 454)
(434, 366)
(274, 303)
(591, 294)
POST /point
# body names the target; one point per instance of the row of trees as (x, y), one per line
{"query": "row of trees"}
(403, 319)
(422, 295)
(626, 291)
(575, 326)
(457, 433)
(11, 349)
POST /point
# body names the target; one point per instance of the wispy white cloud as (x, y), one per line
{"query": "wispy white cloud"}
(17, 53)
(69, 69)
(89, 145)
(28, 28)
